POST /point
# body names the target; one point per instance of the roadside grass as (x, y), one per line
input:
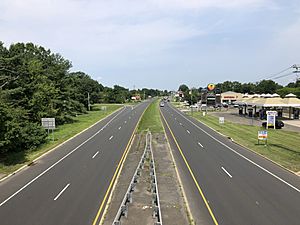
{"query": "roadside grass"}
(13, 161)
(151, 119)
(283, 146)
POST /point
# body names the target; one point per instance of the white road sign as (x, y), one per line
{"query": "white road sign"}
(48, 123)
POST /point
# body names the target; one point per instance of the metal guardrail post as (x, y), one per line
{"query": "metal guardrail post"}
(123, 209)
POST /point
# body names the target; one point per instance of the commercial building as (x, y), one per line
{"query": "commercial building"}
(230, 97)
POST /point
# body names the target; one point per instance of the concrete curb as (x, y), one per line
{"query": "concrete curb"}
(53, 149)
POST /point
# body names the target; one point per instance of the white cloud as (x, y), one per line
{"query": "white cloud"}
(97, 34)
(204, 4)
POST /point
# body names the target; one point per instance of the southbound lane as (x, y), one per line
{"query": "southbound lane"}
(240, 187)
(69, 184)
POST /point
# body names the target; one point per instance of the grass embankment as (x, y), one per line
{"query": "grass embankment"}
(282, 147)
(13, 161)
(151, 119)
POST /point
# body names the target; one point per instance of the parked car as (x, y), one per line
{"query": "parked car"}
(278, 124)
(225, 105)
(162, 104)
(194, 106)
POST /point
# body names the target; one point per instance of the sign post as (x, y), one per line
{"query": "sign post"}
(262, 136)
(49, 124)
(221, 120)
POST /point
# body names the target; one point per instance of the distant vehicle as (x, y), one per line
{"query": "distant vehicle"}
(278, 124)
(225, 105)
(162, 104)
(194, 106)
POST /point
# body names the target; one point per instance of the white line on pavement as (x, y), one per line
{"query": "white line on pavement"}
(188, 131)
(239, 154)
(200, 144)
(226, 172)
(60, 193)
(180, 124)
(53, 165)
(111, 137)
(125, 121)
(119, 128)
(95, 155)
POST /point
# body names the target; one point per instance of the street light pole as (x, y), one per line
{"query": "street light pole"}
(89, 106)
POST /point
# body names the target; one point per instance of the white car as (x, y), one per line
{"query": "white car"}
(194, 106)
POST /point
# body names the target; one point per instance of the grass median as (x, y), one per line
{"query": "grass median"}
(12, 161)
(151, 119)
(282, 147)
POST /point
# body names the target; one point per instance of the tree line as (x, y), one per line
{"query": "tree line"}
(262, 87)
(36, 83)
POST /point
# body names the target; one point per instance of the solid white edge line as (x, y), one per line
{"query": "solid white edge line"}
(95, 154)
(226, 172)
(53, 165)
(239, 154)
(62, 191)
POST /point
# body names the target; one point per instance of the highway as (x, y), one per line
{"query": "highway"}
(71, 184)
(230, 185)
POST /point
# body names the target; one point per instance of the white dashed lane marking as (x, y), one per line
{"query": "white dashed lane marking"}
(226, 172)
(95, 155)
(62, 191)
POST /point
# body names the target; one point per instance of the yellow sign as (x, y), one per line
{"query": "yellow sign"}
(211, 87)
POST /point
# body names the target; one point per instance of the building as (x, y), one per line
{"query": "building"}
(230, 97)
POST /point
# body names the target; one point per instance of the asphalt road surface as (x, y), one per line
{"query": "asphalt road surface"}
(69, 185)
(234, 185)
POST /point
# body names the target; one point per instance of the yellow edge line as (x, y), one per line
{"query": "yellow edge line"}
(187, 205)
(117, 170)
(191, 172)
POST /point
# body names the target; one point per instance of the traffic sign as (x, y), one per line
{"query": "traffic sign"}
(48, 123)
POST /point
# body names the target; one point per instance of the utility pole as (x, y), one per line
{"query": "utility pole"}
(297, 71)
(89, 106)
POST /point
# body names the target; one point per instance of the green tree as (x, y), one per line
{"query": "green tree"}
(267, 86)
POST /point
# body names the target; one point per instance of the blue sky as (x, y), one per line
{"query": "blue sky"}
(161, 43)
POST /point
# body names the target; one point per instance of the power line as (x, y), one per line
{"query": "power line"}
(273, 75)
(285, 75)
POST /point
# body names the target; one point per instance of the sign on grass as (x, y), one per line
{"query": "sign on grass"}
(262, 136)
(48, 123)
(221, 120)
(271, 118)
